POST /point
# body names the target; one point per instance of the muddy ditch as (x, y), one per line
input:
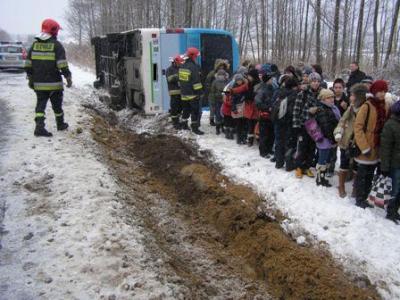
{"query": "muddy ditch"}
(227, 219)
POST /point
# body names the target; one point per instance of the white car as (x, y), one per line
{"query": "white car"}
(12, 55)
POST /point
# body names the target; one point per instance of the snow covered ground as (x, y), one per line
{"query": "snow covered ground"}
(64, 234)
(363, 240)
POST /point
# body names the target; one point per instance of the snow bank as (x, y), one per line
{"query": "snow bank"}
(64, 233)
(363, 240)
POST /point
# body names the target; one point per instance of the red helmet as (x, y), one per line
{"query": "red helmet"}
(192, 52)
(178, 59)
(51, 27)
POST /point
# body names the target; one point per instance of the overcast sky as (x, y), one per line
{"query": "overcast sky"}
(26, 16)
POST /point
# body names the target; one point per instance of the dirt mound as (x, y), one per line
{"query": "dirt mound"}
(246, 231)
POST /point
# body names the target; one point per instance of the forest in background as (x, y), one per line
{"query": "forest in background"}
(331, 33)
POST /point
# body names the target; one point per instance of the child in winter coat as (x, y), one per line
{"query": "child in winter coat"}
(216, 96)
(232, 109)
(390, 159)
(344, 134)
(264, 102)
(327, 117)
(238, 94)
(250, 108)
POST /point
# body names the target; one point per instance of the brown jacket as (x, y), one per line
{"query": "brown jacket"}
(365, 140)
(344, 131)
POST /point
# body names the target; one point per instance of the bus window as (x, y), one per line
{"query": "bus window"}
(214, 46)
(155, 72)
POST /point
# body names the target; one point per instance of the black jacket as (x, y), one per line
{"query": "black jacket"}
(45, 64)
(390, 145)
(190, 80)
(327, 121)
(355, 77)
(173, 80)
(264, 97)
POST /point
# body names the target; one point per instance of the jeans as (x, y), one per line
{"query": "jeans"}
(218, 117)
(266, 137)
(324, 156)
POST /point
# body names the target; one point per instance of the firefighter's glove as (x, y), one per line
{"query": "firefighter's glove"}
(30, 83)
(69, 82)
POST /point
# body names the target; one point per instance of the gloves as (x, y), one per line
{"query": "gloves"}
(69, 82)
(30, 83)
(313, 110)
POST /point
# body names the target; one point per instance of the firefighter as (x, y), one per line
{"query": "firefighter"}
(174, 90)
(44, 66)
(191, 89)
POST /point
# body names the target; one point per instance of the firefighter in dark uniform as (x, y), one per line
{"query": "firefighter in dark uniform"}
(174, 90)
(191, 89)
(45, 64)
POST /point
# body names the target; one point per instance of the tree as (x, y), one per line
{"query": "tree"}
(359, 31)
(335, 37)
(4, 36)
(376, 49)
(392, 32)
(318, 31)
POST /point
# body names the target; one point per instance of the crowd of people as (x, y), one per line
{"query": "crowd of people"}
(301, 124)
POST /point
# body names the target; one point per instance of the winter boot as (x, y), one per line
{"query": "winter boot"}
(299, 173)
(196, 130)
(39, 129)
(393, 211)
(342, 180)
(61, 125)
(321, 176)
(250, 141)
(176, 123)
(363, 203)
(218, 129)
(184, 125)
(231, 133)
(309, 173)
(212, 122)
(354, 190)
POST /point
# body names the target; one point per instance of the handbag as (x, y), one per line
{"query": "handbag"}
(381, 192)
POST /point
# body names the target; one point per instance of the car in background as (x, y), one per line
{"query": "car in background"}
(12, 55)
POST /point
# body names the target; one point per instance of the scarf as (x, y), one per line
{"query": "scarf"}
(380, 120)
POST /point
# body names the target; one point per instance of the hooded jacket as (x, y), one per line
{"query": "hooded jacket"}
(46, 62)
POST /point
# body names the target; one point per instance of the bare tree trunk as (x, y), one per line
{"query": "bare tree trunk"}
(376, 49)
(335, 37)
(305, 32)
(344, 38)
(188, 13)
(359, 31)
(392, 32)
(318, 31)
(263, 35)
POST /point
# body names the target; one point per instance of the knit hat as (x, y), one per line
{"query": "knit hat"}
(307, 70)
(325, 93)
(379, 86)
(395, 109)
(314, 76)
(238, 77)
(253, 73)
(242, 70)
(367, 79)
(266, 68)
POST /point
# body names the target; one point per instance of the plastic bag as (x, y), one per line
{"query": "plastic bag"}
(381, 191)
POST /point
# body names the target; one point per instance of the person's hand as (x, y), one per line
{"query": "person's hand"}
(313, 110)
(30, 83)
(344, 105)
(69, 82)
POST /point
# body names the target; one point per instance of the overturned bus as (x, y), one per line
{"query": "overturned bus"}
(131, 65)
